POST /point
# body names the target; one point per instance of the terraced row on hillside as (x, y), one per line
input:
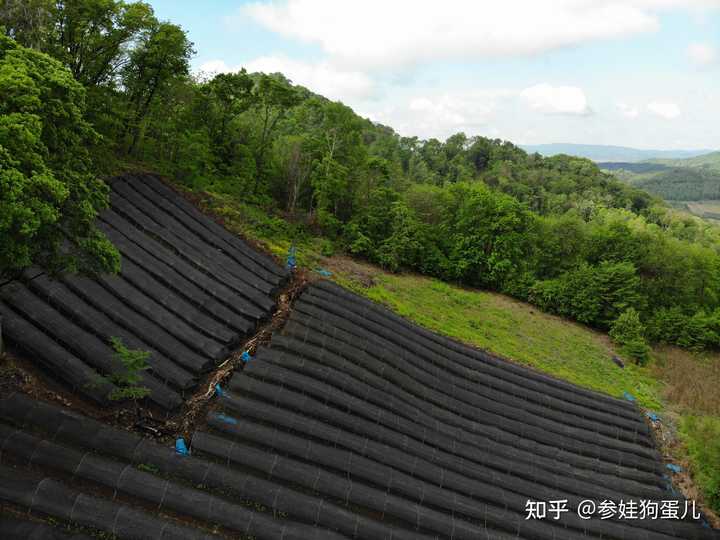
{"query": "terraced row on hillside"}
(188, 293)
(353, 423)
(421, 437)
(85, 474)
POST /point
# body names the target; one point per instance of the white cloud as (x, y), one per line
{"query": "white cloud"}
(213, 67)
(319, 77)
(628, 111)
(549, 99)
(664, 109)
(673, 4)
(442, 115)
(381, 34)
(702, 54)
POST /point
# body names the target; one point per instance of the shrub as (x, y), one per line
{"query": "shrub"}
(403, 247)
(327, 248)
(594, 295)
(667, 325)
(134, 362)
(628, 332)
(696, 332)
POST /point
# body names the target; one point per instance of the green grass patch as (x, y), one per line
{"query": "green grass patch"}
(274, 232)
(701, 435)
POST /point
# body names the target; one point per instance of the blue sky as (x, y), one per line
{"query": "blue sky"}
(643, 73)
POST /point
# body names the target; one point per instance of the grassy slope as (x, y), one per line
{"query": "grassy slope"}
(677, 384)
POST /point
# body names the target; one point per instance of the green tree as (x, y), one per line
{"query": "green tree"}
(28, 22)
(628, 332)
(273, 96)
(225, 98)
(293, 166)
(486, 234)
(404, 246)
(49, 197)
(162, 57)
(134, 362)
(91, 37)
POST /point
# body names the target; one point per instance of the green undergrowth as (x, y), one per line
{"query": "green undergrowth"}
(701, 435)
(276, 234)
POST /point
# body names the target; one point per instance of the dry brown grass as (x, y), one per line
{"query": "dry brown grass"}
(693, 381)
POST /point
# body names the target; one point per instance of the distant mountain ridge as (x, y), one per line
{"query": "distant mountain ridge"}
(609, 153)
(709, 161)
(689, 179)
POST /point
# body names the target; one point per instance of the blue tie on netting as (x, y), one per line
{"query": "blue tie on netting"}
(627, 395)
(652, 416)
(226, 419)
(181, 448)
(323, 272)
(245, 356)
(219, 391)
(674, 468)
(668, 484)
(291, 259)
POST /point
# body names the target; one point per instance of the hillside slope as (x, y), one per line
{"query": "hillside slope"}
(672, 183)
(693, 180)
(678, 385)
(709, 161)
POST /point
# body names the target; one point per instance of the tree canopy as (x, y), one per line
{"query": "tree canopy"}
(556, 231)
(49, 196)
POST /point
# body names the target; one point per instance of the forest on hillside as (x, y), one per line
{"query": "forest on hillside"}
(91, 87)
(672, 183)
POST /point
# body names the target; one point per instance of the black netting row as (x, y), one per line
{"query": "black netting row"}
(22, 529)
(221, 235)
(38, 493)
(78, 310)
(374, 386)
(169, 215)
(443, 363)
(88, 347)
(61, 424)
(143, 327)
(321, 480)
(420, 470)
(475, 359)
(490, 464)
(172, 278)
(207, 282)
(45, 350)
(444, 406)
(148, 306)
(467, 395)
(174, 302)
(133, 211)
(125, 478)
(197, 245)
